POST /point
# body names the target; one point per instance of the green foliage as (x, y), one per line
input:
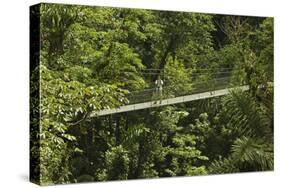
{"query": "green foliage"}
(250, 130)
(91, 58)
(248, 154)
(177, 77)
(264, 46)
(183, 156)
(245, 116)
(117, 163)
(133, 133)
(254, 152)
(121, 67)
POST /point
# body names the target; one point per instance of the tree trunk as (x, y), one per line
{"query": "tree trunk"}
(117, 131)
(170, 48)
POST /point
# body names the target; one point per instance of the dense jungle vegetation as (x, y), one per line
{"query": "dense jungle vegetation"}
(91, 58)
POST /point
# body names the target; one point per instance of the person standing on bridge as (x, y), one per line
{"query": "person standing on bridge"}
(159, 88)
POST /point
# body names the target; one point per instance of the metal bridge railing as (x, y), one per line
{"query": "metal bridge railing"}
(150, 94)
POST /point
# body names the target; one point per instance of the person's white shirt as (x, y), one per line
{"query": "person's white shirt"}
(159, 83)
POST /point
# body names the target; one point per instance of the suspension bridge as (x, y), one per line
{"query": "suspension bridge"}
(218, 83)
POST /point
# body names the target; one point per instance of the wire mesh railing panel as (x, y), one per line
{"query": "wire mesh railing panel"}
(152, 94)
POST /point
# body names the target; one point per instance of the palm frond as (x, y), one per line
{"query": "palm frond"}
(245, 116)
(222, 166)
(256, 152)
